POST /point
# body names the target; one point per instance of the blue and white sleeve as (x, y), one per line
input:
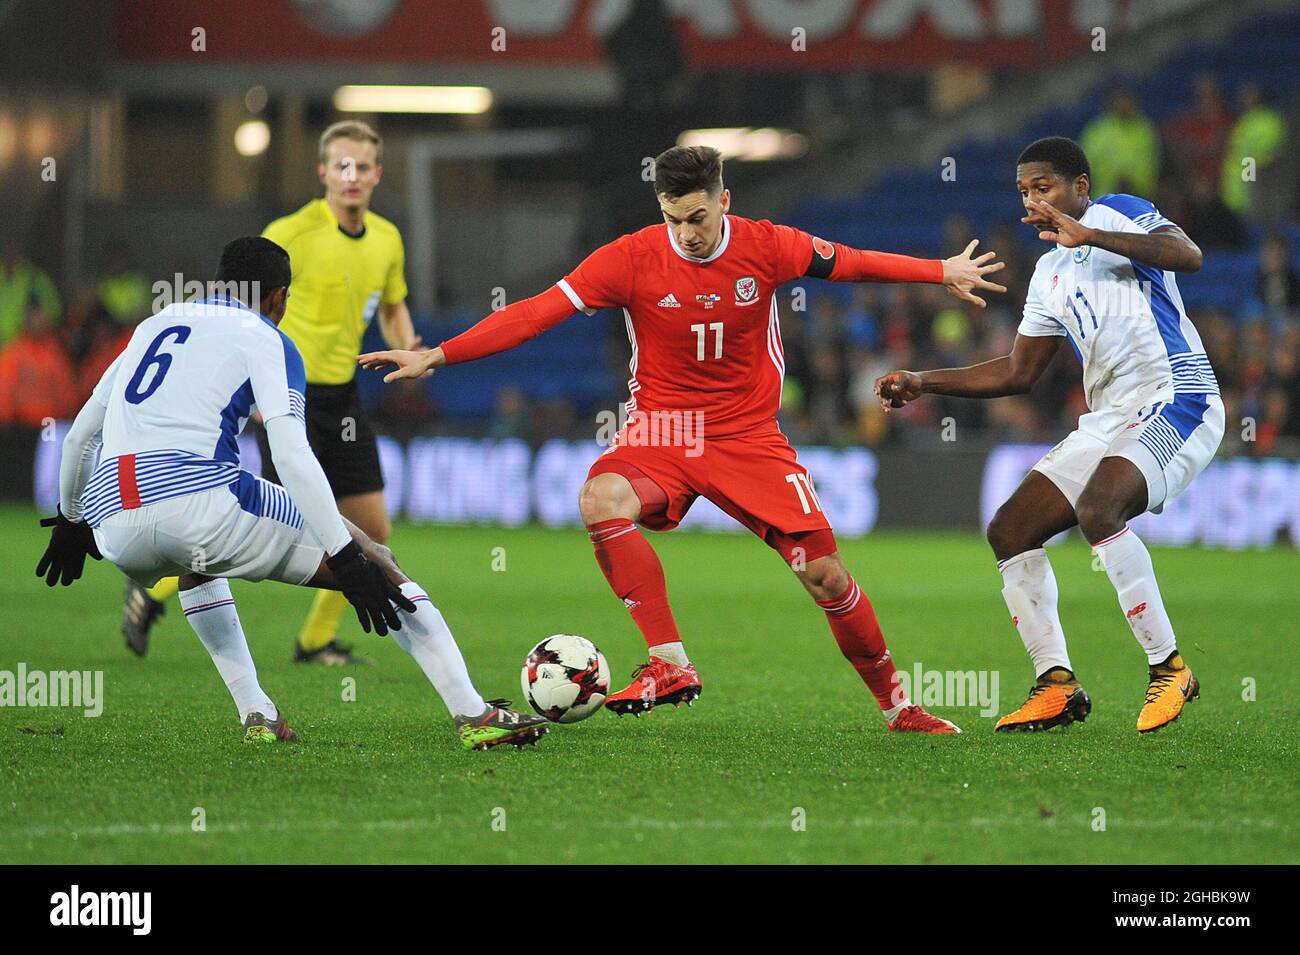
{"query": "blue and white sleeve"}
(1141, 212)
(279, 378)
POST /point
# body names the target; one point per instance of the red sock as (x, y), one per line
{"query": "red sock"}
(636, 576)
(853, 621)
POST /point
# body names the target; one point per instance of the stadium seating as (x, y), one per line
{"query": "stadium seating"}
(904, 210)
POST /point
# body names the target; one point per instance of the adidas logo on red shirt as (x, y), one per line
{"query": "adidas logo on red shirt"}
(669, 301)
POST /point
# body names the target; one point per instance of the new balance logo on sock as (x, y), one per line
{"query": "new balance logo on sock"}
(669, 301)
(1136, 610)
(631, 604)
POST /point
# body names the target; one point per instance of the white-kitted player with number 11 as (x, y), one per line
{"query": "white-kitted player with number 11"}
(1154, 421)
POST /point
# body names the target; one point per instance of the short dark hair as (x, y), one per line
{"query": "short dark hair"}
(1065, 156)
(685, 169)
(252, 258)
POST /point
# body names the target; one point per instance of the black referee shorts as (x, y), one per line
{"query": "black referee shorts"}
(341, 439)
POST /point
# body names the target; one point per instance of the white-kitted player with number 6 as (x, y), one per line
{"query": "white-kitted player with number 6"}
(168, 495)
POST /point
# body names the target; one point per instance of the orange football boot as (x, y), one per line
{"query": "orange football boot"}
(1171, 685)
(654, 683)
(1055, 699)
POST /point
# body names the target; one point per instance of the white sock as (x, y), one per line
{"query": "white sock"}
(674, 653)
(1128, 564)
(1031, 595)
(210, 609)
(891, 714)
(426, 636)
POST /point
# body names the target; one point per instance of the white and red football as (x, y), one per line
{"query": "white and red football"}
(565, 678)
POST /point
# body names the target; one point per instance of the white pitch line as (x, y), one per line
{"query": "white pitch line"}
(1115, 822)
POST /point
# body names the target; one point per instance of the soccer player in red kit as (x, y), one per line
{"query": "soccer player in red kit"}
(707, 366)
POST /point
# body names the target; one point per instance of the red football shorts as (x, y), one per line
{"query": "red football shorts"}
(754, 477)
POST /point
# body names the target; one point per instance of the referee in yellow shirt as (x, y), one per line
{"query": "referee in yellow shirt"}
(347, 267)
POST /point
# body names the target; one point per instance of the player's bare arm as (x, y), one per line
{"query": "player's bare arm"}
(1168, 248)
(407, 363)
(1013, 374)
(396, 326)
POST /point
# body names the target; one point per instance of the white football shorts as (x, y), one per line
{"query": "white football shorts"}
(1170, 442)
(250, 531)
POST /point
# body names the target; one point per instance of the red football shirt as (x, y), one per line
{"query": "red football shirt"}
(704, 332)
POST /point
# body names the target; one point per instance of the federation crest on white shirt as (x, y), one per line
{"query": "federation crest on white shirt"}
(746, 290)
(1081, 254)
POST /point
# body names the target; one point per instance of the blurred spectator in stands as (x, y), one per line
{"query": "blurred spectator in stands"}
(874, 426)
(103, 340)
(1010, 245)
(950, 335)
(1286, 372)
(512, 415)
(82, 319)
(20, 281)
(1276, 284)
(1201, 213)
(826, 327)
(1272, 422)
(1123, 148)
(36, 377)
(557, 418)
(1253, 148)
(1195, 138)
(406, 407)
(793, 416)
(125, 292)
(827, 393)
(957, 233)
(862, 317)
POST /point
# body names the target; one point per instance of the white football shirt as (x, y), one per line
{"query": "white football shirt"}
(177, 398)
(1125, 320)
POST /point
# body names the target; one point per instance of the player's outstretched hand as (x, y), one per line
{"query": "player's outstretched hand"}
(65, 557)
(1055, 226)
(408, 364)
(369, 590)
(965, 272)
(898, 388)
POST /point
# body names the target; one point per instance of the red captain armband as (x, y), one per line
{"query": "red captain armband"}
(840, 263)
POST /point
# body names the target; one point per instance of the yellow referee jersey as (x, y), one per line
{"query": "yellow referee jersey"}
(339, 281)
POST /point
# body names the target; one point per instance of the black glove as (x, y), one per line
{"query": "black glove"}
(65, 558)
(369, 590)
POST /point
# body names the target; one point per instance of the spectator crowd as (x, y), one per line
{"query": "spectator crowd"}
(55, 344)
(53, 352)
(1192, 168)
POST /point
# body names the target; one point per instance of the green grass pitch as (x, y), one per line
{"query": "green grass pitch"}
(784, 732)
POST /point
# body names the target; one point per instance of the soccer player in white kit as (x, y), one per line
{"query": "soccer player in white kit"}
(168, 497)
(1154, 422)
